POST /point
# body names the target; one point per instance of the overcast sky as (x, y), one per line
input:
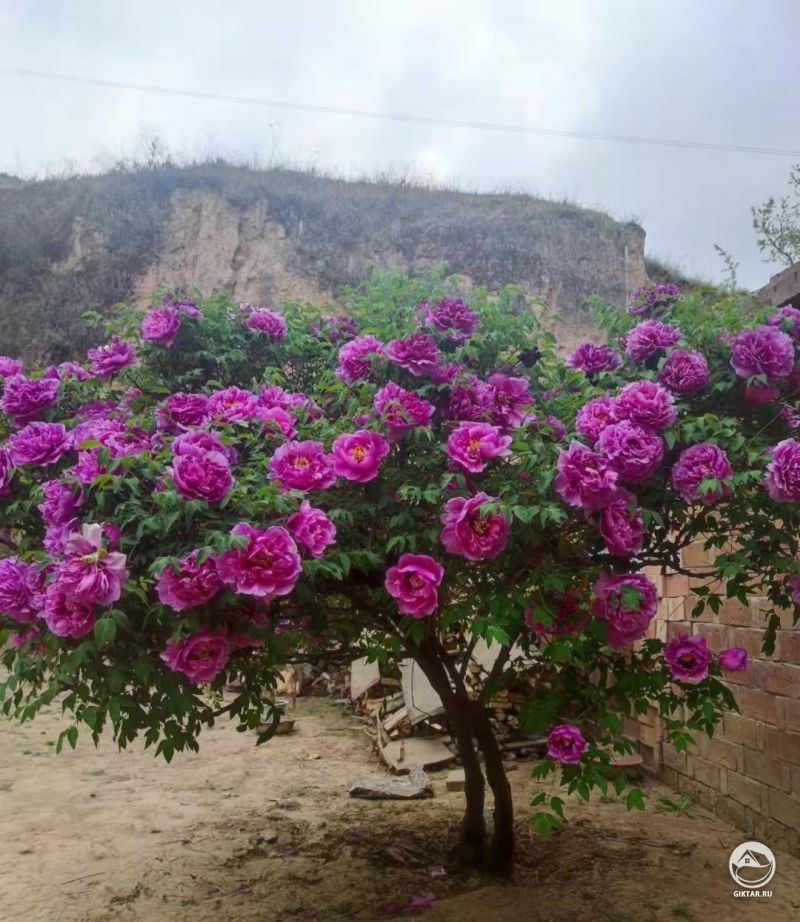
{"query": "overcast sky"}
(723, 71)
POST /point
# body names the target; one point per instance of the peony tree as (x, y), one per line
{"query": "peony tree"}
(221, 489)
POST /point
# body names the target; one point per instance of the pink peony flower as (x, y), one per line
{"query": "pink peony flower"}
(594, 416)
(472, 445)
(621, 526)
(9, 366)
(627, 602)
(334, 327)
(232, 405)
(650, 299)
(787, 319)
(25, 399)
(783, 472)
(277, 422)
(569, 616)
(271, 396)
(20, 596)
(39, 444)
(764, 351)
(446, 372)
(793, 585)
(197, 444)
(192, 584)
(200, 657)
(512, 400)
(268, 565)
(185, 306)
(401, 409)
(685, 372)
(647, 404)
(704, 461)
(61, 502)
(202, 476)
(311, 528)
(585, 479)
(417, 353)
(161, 325)
(472, 399)
(67, 617)
(566, 744)
(470, 534)
(649, 338)
(357, 455)
(414, 581)
(758, 394)
(302, 466)
(592, 359)
(6, 472)
(188, 409)
(110, 358)
(269, 322)
(688, 658)
(451, 317)
(633, 452)
(734, 659)
(91, 573)
(356, 358)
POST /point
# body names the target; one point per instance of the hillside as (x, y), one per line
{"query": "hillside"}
(83, 243)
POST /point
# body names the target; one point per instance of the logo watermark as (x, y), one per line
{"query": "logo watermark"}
(752, 866)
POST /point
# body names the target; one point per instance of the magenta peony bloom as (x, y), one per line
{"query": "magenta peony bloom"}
(764, 351)
(61, 502)
(356, 358)
(647, 404)
(649, 338)
(271, 397)
(451, 317)
(472, 445)
(401, 409)
(569, 616)
(232, 405)
(585, 479)
(9, 366)
(6, 472)
(445, 373)
(787, 319)
(633, 452)
(196, 444)
(68, 370)
(20, 596)
(650, 299)
(312, 529)
(161, 325)
(277, 422)
(734, 659)
(268, 565)
(185, 306)
(472, 399)
(783, 472)
(418, 353)
(688, 658)
(470, 534)
(621, 526)
(39, 444)
(566, 744)
(192, 584)
(200, 657)
(793, 585)
(110, 358)
(302, 466)
(67, 617)
(202, 476)
(414, 581)
(758, 394)
(685, 372)
(627, 602)
(91, 573)
(25, 399)
(188, 409)
(357, 455)
(334, 327)
(512, 400)
(592, 359)
(704, 461)
(594, 416)
(267, 321)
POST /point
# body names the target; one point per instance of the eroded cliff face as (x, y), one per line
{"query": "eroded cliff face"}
(274, 235)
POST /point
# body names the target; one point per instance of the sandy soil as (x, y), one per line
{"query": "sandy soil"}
(269, 834)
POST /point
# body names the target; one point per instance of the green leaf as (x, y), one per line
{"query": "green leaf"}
(105, 630)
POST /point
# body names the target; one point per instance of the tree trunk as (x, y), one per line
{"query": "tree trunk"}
(469, 723)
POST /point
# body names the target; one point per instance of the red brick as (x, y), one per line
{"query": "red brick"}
(760, 705)
(673, 610)
(718, 635)
(676, 584)
(750, 638)
(783, 744)
(696, 557)
(705, 772)
(733, 612)
(784, 809)
(747, 792)
(745, 730)
(787, 647)
(761, 607)
(791, 711)
(759, 766)
(781, 679)
(721, 752)
(689, 603)
(674, 759)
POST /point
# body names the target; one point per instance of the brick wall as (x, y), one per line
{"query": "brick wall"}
(749, 772)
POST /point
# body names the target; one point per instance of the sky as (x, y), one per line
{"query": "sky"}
(720, 71)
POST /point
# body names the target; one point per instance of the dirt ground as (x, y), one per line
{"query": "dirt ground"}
(268, 834)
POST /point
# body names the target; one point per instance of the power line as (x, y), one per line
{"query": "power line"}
(399, 117)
